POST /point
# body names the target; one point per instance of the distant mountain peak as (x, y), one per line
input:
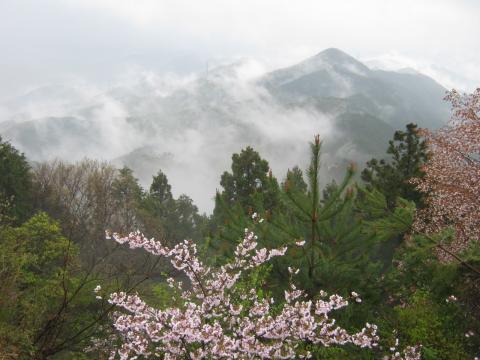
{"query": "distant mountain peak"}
(334, 54)
(336, 57)
(332, 62)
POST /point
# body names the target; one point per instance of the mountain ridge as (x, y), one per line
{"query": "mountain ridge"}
(194, 126)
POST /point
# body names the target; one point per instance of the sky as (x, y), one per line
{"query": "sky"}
(63, 58)
(50, 40)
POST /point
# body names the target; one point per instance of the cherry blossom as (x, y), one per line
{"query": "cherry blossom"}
(452, 174)
(220, 319)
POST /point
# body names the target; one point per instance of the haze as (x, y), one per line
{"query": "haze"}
(44, 40)
(62, 57)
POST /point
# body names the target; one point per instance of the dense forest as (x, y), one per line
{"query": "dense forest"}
(94, 266)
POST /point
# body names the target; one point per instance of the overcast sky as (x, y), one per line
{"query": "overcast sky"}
(42, 41)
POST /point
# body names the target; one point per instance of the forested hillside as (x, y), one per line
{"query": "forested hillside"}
(382, 262)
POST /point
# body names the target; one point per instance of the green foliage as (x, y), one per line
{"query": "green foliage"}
(38, 273)
(419, 289)
(167, 218)
(356, 239)
(338, 253)
(407, 152)
(128, 195)
(160, 189)
(249, 188)
(250, 185)
(424, 321)
(294, 179)
(15, 184)
(379, 219)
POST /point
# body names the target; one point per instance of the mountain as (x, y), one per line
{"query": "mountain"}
(366, 105)
(190, 126)
(329, 73)
(397, 98)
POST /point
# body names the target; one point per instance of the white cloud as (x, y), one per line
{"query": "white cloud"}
(451, 77)
(49, 39)
(151, 48)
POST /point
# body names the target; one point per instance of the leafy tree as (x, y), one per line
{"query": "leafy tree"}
(433, 302)
(43, 302)
(15, 183)
(422, 320)
(49, 310)
(80, 196)
(408, 152)
(87, 198)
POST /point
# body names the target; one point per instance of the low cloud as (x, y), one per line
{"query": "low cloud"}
(189, 126)
(395, 61)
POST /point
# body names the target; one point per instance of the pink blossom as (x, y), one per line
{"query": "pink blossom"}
(219, 319)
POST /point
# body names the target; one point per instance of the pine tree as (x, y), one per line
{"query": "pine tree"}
(408, 152)
(335, 239)
(318, 230)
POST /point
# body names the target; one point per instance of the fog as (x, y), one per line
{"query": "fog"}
(46, 41)
(187, 126)
(169, 85)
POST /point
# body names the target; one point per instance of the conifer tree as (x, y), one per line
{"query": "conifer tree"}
(334, 239)
(408, 152)
(128, 195)
(250, 176)
(160, 189)
(168, 218)
(316, 227)
(295, 179)
(250, 186)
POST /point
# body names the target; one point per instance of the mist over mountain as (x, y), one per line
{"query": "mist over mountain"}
(189, 125)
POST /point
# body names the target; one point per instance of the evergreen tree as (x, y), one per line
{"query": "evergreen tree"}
(160, 189)
(335, 239)
(250, 183)
(167, 218)
(408, 152)
(15, 184)
(188, 223)
(295, 179)
(250, 187)
(324, 234)
(128, 195)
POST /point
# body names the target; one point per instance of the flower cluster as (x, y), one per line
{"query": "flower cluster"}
(409, 353)
(219, 319)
